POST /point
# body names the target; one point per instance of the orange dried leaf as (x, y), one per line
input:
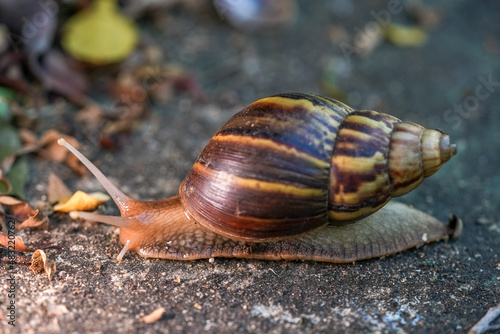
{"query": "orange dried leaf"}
(37, 220)
(14, 243)
(57, 191)
(153, 316)
(40, 262)
(81, 201)
(22, 211)
(76, 165)
(52, 150)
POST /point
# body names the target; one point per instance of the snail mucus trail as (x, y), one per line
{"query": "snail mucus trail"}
(292, 176)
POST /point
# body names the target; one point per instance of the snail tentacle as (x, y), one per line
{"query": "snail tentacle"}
(139, 220)
(116, 194)
(111, 220)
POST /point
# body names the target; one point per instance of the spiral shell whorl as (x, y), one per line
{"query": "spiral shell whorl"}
(416, 153)
(360, 182)
(436, 150)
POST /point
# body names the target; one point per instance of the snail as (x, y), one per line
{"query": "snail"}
(292, 176)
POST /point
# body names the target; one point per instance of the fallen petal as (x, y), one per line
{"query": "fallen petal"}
(40, 262)
(81, 201)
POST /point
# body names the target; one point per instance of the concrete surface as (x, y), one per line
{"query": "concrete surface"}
(439, 288)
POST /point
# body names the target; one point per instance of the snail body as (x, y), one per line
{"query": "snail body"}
(292, 176)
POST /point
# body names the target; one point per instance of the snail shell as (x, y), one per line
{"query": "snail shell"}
(292, 176)
(291, 163)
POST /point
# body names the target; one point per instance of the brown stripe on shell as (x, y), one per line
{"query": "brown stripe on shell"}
(294, 123)
(360, 183)
(405, 161)
(316, 101)
(265, 160)
(347, 215)
(249, 208)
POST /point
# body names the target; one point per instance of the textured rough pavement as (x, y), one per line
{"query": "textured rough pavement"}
(440, 287)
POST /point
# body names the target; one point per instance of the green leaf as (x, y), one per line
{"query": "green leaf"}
(6, 94)
(9, 144)
(18, 176)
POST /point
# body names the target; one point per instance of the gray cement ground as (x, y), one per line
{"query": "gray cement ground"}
(438, 288)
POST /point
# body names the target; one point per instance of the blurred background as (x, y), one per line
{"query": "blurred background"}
(140, 86)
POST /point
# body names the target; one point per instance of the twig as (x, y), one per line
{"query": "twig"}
(485, 324)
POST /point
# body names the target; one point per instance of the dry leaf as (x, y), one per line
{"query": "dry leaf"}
(8, 200)
(50, 150)
(130, 96)
(81, 201)
(37, 220)
(53, 151)
(163, 80)
(17, 243)
(40, 262)
(22, 211)
(57, 191)
(76, 165)
(99, 34)
(153, 316)
(405, 36)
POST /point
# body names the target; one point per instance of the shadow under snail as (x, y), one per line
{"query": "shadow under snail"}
(292, 176)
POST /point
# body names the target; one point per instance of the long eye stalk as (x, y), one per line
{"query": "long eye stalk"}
(121, 200)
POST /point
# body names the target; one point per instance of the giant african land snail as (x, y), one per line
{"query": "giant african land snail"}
(292, 176)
